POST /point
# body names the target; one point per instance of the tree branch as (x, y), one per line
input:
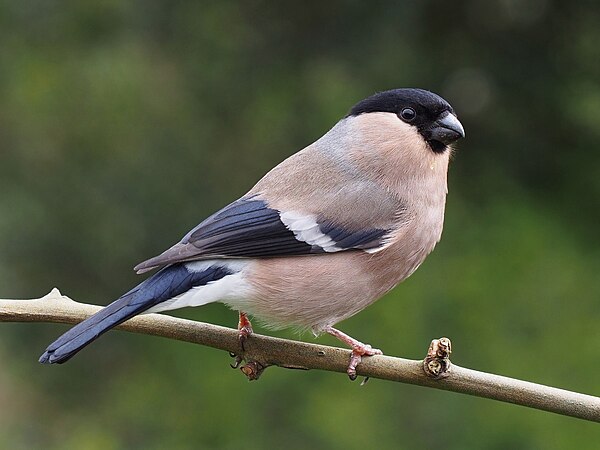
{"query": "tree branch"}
(263, 351)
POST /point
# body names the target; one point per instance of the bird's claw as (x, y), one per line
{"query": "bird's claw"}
(244, 331)
(236, 361)
(358, 351)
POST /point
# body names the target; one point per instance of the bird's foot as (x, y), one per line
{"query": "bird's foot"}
(357, 353)
(358, 350)
(244, 329)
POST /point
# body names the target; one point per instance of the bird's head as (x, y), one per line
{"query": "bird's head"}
(428, 113)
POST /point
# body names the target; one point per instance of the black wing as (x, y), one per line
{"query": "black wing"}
(248, 228)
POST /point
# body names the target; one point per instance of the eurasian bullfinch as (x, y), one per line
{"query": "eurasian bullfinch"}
(320, 237)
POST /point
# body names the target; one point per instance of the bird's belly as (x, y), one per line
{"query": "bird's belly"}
(313, 292)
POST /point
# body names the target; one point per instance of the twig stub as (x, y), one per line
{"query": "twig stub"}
(253, 370)
(437, 362)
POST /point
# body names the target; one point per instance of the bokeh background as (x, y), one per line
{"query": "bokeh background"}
(123, 124)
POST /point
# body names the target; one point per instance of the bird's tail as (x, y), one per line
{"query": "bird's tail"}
(160, 287)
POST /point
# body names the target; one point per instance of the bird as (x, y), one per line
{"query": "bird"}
(320, 237)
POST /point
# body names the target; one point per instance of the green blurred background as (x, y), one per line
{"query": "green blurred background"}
(123, 124)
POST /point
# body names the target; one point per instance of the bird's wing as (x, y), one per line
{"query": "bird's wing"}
(249, 228)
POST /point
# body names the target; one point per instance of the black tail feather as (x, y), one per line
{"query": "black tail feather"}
(164, 285)
(90, 329)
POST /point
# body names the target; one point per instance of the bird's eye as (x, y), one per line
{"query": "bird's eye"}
(408, 114)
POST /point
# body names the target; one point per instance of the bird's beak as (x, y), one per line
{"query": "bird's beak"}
(447, 129)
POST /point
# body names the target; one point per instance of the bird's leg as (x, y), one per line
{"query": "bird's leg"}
(358, 350)
(244, 328)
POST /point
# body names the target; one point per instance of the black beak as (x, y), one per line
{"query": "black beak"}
(446, 129)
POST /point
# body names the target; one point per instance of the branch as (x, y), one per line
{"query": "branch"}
(263, 351)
